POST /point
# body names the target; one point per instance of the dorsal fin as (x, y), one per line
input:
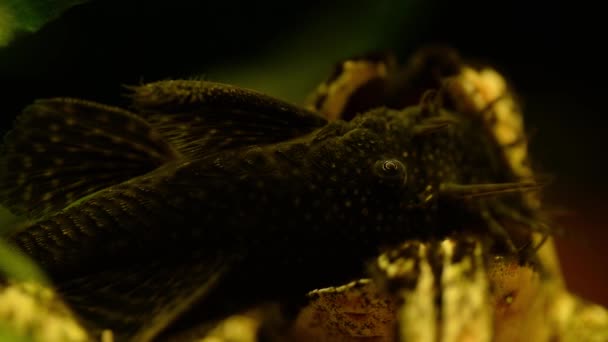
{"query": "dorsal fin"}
(63, 149)
(200, 117)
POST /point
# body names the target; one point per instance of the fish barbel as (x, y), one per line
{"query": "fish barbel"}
(206, 192)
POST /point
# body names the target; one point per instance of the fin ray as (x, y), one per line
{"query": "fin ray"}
(200, 117)
(139, 302)
(63, 149)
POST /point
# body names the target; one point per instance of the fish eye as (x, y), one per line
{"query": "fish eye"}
(391, 169)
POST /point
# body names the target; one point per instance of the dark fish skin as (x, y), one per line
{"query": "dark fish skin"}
(323, 186)
(298, 202)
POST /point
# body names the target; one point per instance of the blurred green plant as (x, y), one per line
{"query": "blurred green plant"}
(18, 267)
(297, 63)
(29, 15)
(7, 220)
(7, 335)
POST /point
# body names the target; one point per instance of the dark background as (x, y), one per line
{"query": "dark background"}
(553, 54)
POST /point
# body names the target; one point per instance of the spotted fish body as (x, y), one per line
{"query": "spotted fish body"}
(332, 180)
(262, 192)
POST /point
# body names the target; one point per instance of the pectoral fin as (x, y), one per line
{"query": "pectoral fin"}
(63, 149)
(140, 301)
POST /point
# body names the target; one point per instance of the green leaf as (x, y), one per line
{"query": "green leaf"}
(7, 220)
(29, 15)
(16, 266)
(8, 335)
(299, 62)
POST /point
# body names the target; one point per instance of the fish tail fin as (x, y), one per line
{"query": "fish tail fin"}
(63, 149)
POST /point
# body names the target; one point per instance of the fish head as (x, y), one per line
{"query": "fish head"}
(437, 164)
